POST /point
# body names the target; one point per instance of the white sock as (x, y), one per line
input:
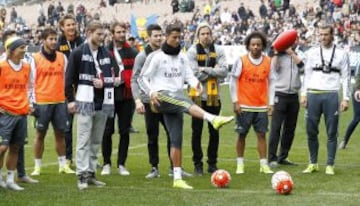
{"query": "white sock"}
(10, 176)
(240, 160)
(177, 173)
(62, 161)
(263, 162)
(37, 162)
(208, 117)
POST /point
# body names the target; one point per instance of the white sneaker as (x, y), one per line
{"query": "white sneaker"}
(342, 145)
(27, 179)
(106, 170)
(14, 186)
(2, 184)
(96, 182)
(82, 183)
(183, 173)
(154, 173)
(123, 171)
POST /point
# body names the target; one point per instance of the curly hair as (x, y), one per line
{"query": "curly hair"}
(256, 35)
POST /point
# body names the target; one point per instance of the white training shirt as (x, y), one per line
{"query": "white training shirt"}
(166, 72)
(318, 80)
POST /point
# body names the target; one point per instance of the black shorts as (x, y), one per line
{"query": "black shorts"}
(54, 113)
(244, 120)
(13, 129)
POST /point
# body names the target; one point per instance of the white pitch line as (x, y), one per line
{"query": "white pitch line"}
(113, 153)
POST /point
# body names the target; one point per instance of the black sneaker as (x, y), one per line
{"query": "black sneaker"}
(287, 162)
(212, 169)
(198, 170)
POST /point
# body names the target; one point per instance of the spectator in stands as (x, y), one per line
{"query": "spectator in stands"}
(263, 10)
(59, 8)
(13, 15)
(102, 4)
(41, 20)
(175, 6)
(242, 12)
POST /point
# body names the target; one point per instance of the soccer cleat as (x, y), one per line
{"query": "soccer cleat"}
(265, 169)
(311, 168)
(123, 171)
(220, 121)
(13, 186)
(154, 173)
(240, 169)
(273, 164)
(106, 170)
(2, 184)
(329, 170)
(69, 163)
(66, 170)
(27, 179)
(36, 172)
(342, 145)
(82, 182)
(181, 184)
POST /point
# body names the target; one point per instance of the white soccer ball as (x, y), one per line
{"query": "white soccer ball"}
(282, 182)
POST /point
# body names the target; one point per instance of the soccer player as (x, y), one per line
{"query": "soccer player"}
(89, 71)
(20, 167)
(14, 107)
(142, 101)
(251, 85)
(124, 56)
(67, 42)
(49, 99)
(208, 62)
(326, 68)
(162, 78)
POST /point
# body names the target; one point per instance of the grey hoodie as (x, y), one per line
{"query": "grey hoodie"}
(287, 74)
